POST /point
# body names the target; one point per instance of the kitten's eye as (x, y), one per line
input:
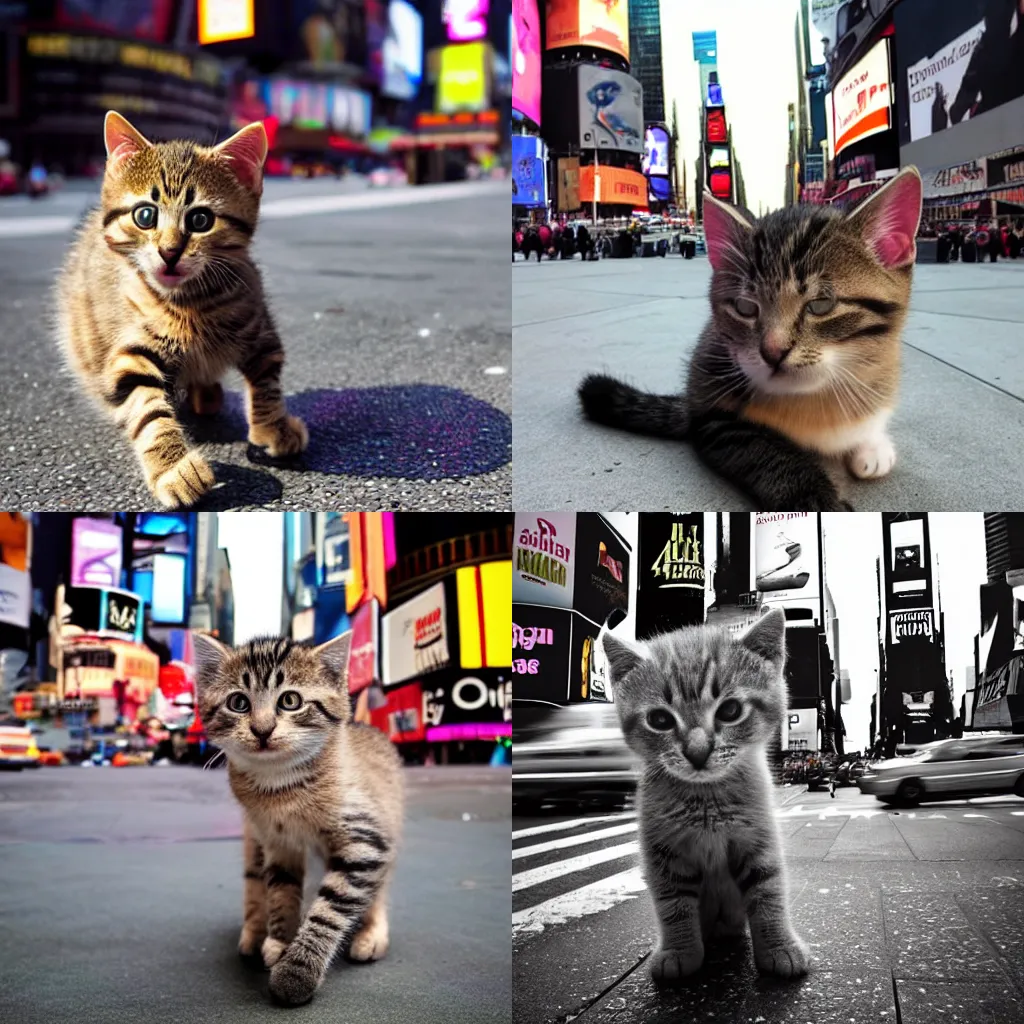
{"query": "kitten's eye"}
(660, 719)
(746, 307)
(199, 220)
(729, 710)
(239, 703)
(144, 216)
(819, 307)
(290, 701)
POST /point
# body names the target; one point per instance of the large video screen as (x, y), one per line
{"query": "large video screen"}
(463, 81)
(403, 51)
(656, 147)
(526, 59)
(466, 20)
(956, 60)
(715, 129)
(862, 97)
(139, 19)
(611, 110)
(528, 179)
(599, 23)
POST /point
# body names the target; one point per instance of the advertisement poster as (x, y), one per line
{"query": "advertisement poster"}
(526, 59)
(362, 658)
(617, 185)
(862, 97)
(911, 622)
(588, 666)
(602, 569)
(139, 19)
(327, 32)
(414, 637)
(95, 553)
(101, 610)
(718, 157)
(600, 23)
(801, 731)
(400, 718)
(15, 596)
(611, 110)
(720, 183)
(661, 188)
(955, 181)
(403, 51)
(714, 127)
(485, 614)
(1007, 169)
(457, 698)
(786, 563)
(656, 147)
(671, 572)
(466, 20)
(464, 79)
(909, 562)
(544, 558)
(540, 653)
(568, 183)
(529, 187)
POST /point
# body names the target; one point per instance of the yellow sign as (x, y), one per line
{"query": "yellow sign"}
(221, 20)
(485, 615)
(463, 78)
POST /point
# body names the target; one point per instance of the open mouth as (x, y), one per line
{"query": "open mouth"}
(171, 276)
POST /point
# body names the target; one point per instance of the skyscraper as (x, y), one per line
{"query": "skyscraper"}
(645, 55)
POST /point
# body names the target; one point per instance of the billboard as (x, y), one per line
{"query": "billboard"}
(402, 51)
(602, 568)
(705, 47)
(540, 653)
(526, 59)
(544, 558)
(803, 648)
(362, 658)
(909, 622)
(464, 78)
(862, 97)
(720, 183)
(611, 110)
(957, 59)
(15, 596)
(661, 188)
(140, 19)
(168, 599)
(714, 126)
(454, 701)
(909, 564)
(414, 637)
(218, 21)
(656, 150)
(718, 157)
(328, 33)
(95, 553)
(599, 23)
(671, 574)
(485, 614)
(962, 179)
(466, 20)
(618, 185)
(103, 610)
(786, 559)
(568, 183)
(1007, 169)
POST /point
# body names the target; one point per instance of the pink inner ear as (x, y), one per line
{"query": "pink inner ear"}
(892, 226)
(722, 232)
(246, 152)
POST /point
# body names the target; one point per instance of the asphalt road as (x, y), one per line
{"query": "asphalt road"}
(913, 917)
(121, 900)
(957, 429)
(394, 313)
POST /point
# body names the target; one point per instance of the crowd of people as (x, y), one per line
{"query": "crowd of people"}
(556, 241)
(971, 243)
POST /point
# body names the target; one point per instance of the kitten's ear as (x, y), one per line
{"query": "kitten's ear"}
(122, 140)
(622, 658)
(246, 151)
(724, 230)
(334, 654)
(888, 220)
(209, 655)
(767, 637)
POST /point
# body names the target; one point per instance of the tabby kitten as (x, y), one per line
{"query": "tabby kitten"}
(801, 356)
(159, 294)
(699, 707)
(306, 776)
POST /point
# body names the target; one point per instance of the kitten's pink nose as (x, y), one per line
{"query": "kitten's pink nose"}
(775, 346)
(697, 747)
(170, 256)
(261, 732)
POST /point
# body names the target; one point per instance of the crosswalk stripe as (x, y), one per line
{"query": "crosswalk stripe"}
(588, 899)
(558, 868)
(561, 844)
(564, 826)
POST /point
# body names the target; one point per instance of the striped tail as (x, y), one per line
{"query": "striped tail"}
(609, 401)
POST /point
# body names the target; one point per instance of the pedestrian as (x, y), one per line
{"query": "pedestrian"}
(1014, 241)
(995, 242)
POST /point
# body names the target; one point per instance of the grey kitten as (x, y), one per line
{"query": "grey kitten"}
(699, 707)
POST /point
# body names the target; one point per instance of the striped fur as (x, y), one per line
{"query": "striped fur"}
(307, 779)
(772, 394)
(711, 848)
(138, 337)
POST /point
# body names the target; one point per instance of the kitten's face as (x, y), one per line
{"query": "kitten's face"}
(695, 702)
(808, 297)
(272, 702)
(179, 212)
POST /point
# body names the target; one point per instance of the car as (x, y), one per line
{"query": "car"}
(577, 752)
(18, 747)
(948, 770)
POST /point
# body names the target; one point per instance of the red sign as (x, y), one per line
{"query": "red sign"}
(362, 660)
(401, 719)
(714, 127)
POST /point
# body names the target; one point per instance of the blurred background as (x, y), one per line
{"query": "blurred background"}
(406, 90)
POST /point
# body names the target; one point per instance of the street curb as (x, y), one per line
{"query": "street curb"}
(798, 792)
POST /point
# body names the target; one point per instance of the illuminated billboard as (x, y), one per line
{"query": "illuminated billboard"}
(862, 97)
(528, 180)
(656, 150)
(466, 20)
(611, 110)
(661, 188)
(720, 184)
(463, 77)
(718, 157)
(526, 59)
(139, 19)
(786, 560)
(714, 126)
(599, 23)
(403, 51)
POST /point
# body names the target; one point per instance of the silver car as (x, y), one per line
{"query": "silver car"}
(948, 770)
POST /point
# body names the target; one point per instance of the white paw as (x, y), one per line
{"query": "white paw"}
(873, 459)
(272, 950)
(668, 966)
(789, 960)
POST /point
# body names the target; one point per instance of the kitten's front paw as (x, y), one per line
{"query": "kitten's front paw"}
(272, 950)
(288, 436)
(790, 960)
(369, 943)
(185, 482)
(670, 966)
(250, 942)
(872, 460)
(293, 983)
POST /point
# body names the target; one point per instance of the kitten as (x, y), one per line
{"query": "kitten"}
(699, 707)
(159, 293)
(306, 777)
(801, 356)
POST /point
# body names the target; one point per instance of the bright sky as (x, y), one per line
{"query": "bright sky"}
(757, 72)
(255, 545)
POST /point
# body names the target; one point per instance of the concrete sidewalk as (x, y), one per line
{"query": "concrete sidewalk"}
(959, 428)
